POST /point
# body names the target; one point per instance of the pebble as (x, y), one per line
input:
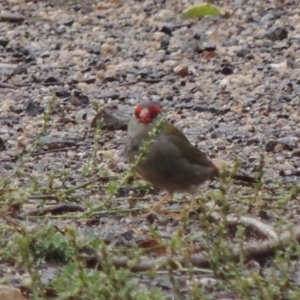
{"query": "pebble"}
(181, 71)
(7, 105)
(109, 155)
(296, 153)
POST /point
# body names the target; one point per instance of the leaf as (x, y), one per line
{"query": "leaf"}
(8, 293)
(201, 10)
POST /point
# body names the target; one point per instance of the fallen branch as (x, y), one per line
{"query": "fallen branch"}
(250, 250)
(264, 229)
(63, 149)
(257, 225)
(55, 210)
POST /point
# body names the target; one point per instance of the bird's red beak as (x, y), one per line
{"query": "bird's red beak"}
(145, 115)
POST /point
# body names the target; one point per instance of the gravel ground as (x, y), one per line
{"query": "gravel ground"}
(239, 100)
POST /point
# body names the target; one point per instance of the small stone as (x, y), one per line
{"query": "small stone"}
(296, 153)
(19, 70)
(51, 142)
(227, 70)
(167, 30)
(277, 34)
(271, 15)
(202, 46)
(2, 145)
(224, 130)
(182, 71)
(284, 97)
(79, 98)
(174, 116)
(208, 282)
(242, 52)
(128, 235)
(270, 145)
(62, 93)
(52, 79)
(113, 119)
(239, 80)
(4, 43)
(158, 36)
(285, 173)
(287, 143)
(152, 217)
(33, 109)
(281, 67)
(109, 155)
(9, 292)
(164, 44)
(111, 95)
(7, 105)
(278, 147)
(100, 74)
(250, 128)
(75, 101)
(95, 50)
(107, 49)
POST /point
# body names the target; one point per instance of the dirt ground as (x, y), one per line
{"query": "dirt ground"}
(70, 75)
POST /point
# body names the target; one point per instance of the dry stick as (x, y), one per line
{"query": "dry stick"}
(4, 85)
(70, 190)
(251, 250)
(263, 228)
(248, 221)
(54, 151)
(56, 209)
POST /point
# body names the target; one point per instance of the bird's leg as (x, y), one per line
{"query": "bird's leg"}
(157, 205)
(192, 203)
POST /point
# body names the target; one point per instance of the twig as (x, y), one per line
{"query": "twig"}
(102, 213)
(4, 85)
(70, 190)
(54, 150)
(251, 250)
(248, 221)
(55, 210)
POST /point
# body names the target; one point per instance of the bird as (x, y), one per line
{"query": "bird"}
(170, 161)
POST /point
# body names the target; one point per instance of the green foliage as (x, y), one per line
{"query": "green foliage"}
(94, 284)
(199, 11)
(39, 245)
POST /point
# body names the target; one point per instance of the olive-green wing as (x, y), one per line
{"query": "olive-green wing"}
(187, 150)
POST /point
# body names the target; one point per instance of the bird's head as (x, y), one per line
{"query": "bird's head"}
(147, 112)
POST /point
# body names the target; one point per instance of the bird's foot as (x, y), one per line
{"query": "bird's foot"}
(157, 207)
